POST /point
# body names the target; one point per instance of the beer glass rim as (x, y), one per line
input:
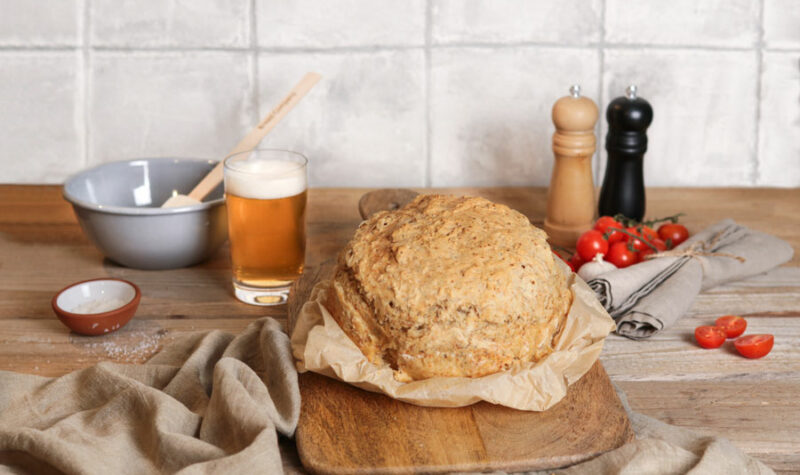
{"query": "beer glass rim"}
(301, 163)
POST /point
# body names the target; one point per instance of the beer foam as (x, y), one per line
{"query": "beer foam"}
(265, 179)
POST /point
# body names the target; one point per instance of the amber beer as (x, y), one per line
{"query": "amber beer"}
(268, 239)
(266, 198)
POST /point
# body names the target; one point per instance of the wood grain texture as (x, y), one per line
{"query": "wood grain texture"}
(42, 249)
(346, 430)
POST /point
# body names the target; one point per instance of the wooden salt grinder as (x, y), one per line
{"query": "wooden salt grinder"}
(570, 198)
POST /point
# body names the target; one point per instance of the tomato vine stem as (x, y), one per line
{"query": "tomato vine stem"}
(630, 234)
(628, 222)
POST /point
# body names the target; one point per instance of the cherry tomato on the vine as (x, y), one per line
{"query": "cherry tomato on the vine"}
(658, 243)
(673, 233)
(649, 233)
(709, 337)
(575, 262)
(608, 225)
(754, 346)
(604, 222)
(732, 325)
(590, 244)
(616, 237)
(620, 255)
(632, 230)
(637, 242)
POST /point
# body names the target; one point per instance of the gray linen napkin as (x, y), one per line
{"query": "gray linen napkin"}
(645, 298)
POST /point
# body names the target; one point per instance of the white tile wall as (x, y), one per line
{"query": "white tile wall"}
(415, 92)
(491, 127)
(325, 24)
(40, 138)
(704, 109)
(503, 21)
(779, 144)
(40, 22)
(363, 124)
(186, 104)
(726, 23)
(782, 24)
(152, 23)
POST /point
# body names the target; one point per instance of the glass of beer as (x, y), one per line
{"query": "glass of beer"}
(265, 192)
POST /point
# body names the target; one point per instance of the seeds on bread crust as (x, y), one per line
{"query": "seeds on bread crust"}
(449, 286)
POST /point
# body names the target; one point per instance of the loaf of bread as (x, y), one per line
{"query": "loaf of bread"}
(449, 286)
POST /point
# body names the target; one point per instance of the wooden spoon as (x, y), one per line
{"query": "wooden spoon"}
(249, 142)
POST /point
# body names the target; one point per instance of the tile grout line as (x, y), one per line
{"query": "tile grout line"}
(86, 82)
(46, 48)
(602, 68)
(428, 172)
(756, 170)
(264, 49)
(588, 45)
(254, 67)
(380, 48)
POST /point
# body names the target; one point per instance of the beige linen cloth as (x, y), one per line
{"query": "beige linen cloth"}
(210, 403)
(215, 403)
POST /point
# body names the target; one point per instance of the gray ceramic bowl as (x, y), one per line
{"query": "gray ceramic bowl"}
(118, 207)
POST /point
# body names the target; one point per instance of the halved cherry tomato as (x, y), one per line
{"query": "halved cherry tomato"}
(590, 244)
(754, 346)
(709, 337)
(732, 325)
(603, 224)
(575, 262)
(621, 255)
(673, 233)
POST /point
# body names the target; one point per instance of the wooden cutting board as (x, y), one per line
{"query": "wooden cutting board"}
(346, 430)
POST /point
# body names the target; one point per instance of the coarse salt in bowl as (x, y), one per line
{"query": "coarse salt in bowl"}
(98, 306)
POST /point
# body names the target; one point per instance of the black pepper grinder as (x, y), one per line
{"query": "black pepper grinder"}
(626, 142)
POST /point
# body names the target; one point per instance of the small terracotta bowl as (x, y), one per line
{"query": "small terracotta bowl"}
(97, 306)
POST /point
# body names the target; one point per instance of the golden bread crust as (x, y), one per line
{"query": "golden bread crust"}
(449, 286)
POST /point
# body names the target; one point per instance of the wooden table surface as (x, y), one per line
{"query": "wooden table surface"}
(755, 403)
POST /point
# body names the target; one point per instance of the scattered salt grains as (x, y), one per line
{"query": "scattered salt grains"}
(128, 347)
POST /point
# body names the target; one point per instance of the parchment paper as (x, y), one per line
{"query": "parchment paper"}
(321, 346)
